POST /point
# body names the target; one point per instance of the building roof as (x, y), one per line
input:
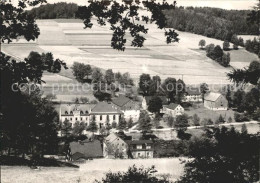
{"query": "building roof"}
(84, 108)
(90, 149)
(104, 107)
(212, 96)
(163, 98)
(172, 106)
(193, 91)
(139, 142)
(121, 100)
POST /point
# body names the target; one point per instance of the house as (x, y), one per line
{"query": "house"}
(74, 112)
(215, 101)
(85, 150)
(115, 146)
(174, 110)
(105, 112)
(130, 108)
(192, 95)
(146, 100)
(141, 148)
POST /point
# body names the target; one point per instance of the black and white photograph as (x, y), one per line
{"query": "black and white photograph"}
(130, 91)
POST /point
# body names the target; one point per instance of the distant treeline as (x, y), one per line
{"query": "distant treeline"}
(211, 22)
(56, 10)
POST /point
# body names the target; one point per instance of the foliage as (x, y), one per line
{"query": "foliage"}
(246, 75)
(15, 21)
(144, 122)
(55, 11)
(170, 121)
(206, 122)
(182, 122)
(92, 127)
(223, 155)
(230, 119)
(204, 88)
(226, 45)
(133, 174)
(66, 128)
(144, 83)
(81, 71)
(202, 43)
(240, 117)
(109, 76)
(130, 123)
(114, 124)
(78, 128)
(122, 124)
(212, 22)
(196, 120)
(217, 54)
(253, 46)
(155, 104)
(35, 122)
(122, 17)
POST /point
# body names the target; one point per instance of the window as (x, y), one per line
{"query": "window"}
(70, 119)
(100, 117)
(138, 154)
(66, 112)
(65, 118)
(148, 154)
(148, 147)
(81, 112)
(139, 147)
(107, 117)
(86, 112)
(81, 119)
(71, 112)
(114, 117)
(76, 119)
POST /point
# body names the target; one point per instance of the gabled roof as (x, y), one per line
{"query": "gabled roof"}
(139, 142)
(212, 96)
(121, 100)
(104, 107)
(74, 107)
(163, 98)
(90, 149)
(193, 91)
(172, 106)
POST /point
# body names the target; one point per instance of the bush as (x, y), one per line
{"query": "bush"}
(240, 117)
(132, 175)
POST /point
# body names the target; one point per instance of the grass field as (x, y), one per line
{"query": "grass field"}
(67, 40)
(88, 172)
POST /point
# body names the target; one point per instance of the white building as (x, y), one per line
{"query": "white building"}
(174, 110)
(215, 101)
(130, 108)
(192, 95)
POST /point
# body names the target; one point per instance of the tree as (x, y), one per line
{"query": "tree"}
(92, 127)
(66, 128)
(114, 124)
(196, 120)
(122, 124)
(225, 60)
(230, 119)
(122, 17)
(235, 46)
(109, 76)
(81, 71)
(169, 88)
(202, 43)
(133, 174)
(35, 123)
(215, 158)
(250, 75)
(78, 128)
(18, 22)
(130, 123)
(217, 53)
(144, 83)
(244, 129)
(145, 124)
(228, 96)
(182, 122)
(203, 90)
(155, 104)
(220, 120)
(170, 121)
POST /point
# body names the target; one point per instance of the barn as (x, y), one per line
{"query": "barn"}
(215, 101)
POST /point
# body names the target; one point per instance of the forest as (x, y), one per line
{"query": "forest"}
(211, 22)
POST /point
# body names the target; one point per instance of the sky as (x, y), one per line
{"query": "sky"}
(224, 4)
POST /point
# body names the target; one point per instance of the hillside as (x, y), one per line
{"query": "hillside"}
(68, 40)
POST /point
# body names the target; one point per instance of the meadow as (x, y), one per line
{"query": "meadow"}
(67, 40)
(89, 171)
